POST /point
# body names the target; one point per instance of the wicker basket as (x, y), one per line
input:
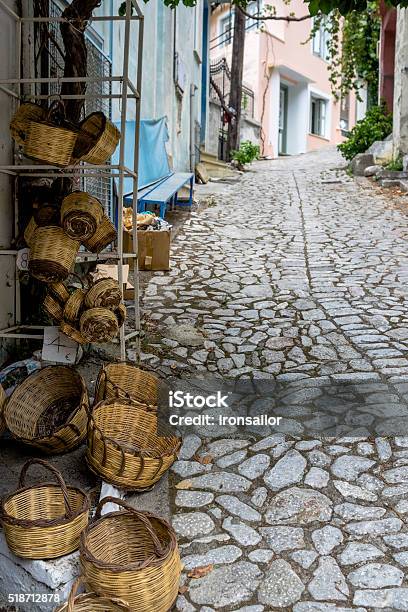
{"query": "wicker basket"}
(49, 410)
(72, 333)
(105, 234)
(44, 521)
(26, 113)
(29, 231)
(91, 602)
(59, 291)
(98, 325)
(73, 306)
(132, 555)
(53, 307)
(105, 293)
(123, 380)
(49, 143)
(81, 214)
(52, 254)
(124, 446)
(3, 399)
(97, 139)
(121, 314)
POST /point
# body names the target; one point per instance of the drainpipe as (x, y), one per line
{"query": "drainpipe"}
(193, 89)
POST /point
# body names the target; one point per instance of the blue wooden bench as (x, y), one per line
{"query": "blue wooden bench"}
(166, 192)
(163, 193)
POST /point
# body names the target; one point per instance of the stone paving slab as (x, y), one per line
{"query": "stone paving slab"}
(298, 273)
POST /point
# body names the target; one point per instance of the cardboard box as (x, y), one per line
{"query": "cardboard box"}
(153, 249)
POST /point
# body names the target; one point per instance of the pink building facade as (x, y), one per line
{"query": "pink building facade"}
(288, 74)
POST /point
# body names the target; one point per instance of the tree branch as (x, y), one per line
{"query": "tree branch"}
(78, 14)
(273, 17)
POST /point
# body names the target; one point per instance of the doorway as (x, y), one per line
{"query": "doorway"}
(283, 120)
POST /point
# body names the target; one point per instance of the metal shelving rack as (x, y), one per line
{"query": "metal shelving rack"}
(129, 91)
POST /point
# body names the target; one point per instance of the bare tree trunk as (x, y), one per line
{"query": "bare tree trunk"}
(73, 33)
(237, 67)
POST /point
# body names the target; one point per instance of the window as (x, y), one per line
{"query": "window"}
(320, 40)
(318, 114)
(253, 9)
(226, 29)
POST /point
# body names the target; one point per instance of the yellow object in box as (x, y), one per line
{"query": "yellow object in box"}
(153, 249)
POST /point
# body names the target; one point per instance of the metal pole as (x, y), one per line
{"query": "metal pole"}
(135, 188)
(122, 164)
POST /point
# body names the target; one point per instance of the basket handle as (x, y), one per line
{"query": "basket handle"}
(74, 590)
(56, 473)
(160, 551)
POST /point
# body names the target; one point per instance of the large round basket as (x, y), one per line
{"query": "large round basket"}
(49, 410)
(91, 602)
(123, 380)
(49, 143)
(132, 555)
(25, 113)
(105, 234)
(97, 139)
(125, 447)
(53, 307)
(81, 214)
(73, 305)
(105, 293)
(52, 254)
(72, 332)
(3, 400)
(98, 325)
(44, 521)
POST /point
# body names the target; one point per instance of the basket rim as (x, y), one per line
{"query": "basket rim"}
(50, 124)
(104, 372)
(93, 429)
(81, 404)
(152, 561)
(11, 520)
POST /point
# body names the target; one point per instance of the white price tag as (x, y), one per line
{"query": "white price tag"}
(23, 257)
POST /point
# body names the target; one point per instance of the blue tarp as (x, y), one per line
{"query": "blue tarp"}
(153, 161)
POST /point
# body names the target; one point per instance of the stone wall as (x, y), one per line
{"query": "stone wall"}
(250, 129)
(400, 129)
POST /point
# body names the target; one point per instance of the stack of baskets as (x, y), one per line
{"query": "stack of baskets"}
(93, 315)
(47, 137)
(130, 560)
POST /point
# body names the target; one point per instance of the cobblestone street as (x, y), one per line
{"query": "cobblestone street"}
(298, 274)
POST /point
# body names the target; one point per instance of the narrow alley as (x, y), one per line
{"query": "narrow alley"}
(297, 274)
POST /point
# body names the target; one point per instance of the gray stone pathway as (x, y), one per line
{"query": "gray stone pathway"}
(296, 274)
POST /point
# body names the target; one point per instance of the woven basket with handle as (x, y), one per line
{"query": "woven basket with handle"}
(44, 521)
(104, 293)
(81, 214)
(124, 380)
(52, 254)
(98, 325)
(125, 447)
(53, 307)
(132, 555)
(73, 306)
(25, 113)
(97, 139)
(105, 234)
(49, 410)
(91, 602)
(3, 400)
